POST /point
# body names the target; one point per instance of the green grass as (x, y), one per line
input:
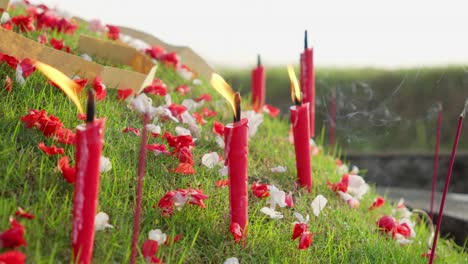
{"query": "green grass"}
(29, 178)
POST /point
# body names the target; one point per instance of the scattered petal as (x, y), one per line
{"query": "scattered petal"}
(158, 236)
(12, 257)
(123, 94)
(69, 173)
(23, 214)
(378, 202)
(7, 85)
(100, 88)
(52, 150)
(260, 190)
(278, 169)
(236, 231)
(222, 183)
(271, 213)
(102, 221)
(277, 197)
(306, 240)
(271, 110)
(184, 168)
(153, 129)
(289, 200)
(318, 204)
(210, 159)
(180, 131)
(14, 236)
(135, 131)
(232, 260)
(149, 250)
(104, 164)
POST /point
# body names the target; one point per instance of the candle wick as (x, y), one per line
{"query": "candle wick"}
(464, 109)
(237, 103)
(91, 107)
(305, 40)
(259, 62)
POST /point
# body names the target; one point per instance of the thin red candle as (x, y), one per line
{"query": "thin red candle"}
(89, 142)
(299, 115)
(447, 182)
(258, 86)
(307, 81)
(139, 190)
(332, 118)
(436, 160)
(236, 153)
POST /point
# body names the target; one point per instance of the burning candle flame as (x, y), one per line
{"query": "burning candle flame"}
(68, 86)
(295, 90)
(223, 88)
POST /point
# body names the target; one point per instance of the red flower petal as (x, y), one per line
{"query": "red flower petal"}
(289, 200)
(135, 131)
(177, 110)
(378, 202)
(184, 155)
(218, 128)
(298, 230)
(10, 60)
(14, 236)
(52, 150)
(155, 52)
(81, 116)
(166, 203)
(12, 257)
(208, 113)
(236, 231)
(184, 168)
(24, 23)
(23, 214)
(306, 240)
(69, 173)
(7, 83)
(222, 183)
(386, 224)
(340, 186)
(271, 110)
(8, 26)
(149, 249)
(205, 97)
(100, 88)
(183, 89)
(65, 136)
(123, 94)
(403, 230)
(199, 118)
(170, 58)
(157, 148)
(260, 190)
(27, 67)
(56, 43)
(42, 38)
(82, 83)
(113, 32)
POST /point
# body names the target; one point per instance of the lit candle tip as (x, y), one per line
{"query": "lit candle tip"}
(91, 107)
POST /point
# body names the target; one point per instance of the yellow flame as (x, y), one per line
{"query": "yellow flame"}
(68, 86)
(295, 90)
(223, 88)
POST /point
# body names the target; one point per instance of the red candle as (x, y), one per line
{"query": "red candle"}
(300, 124)
(436, 160)
(89, 142)
(307, 81)
(236, 152)
(258, 86)
(332, 119)
(447, 181)
(236, 156)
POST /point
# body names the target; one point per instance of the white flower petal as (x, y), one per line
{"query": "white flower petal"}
(318, 204)
(180, 131)
(143, 104)
(278, 169)
(233, 260)
(255, 119)
(197, 82)
(357, 186)
(210, 159)
(277, 197)
(85, 56)
(104, 164)
(220, 141)
(223, 172)
(272, 213)
(158, 236)
(187, 118)
(299, 217)
(19, 75)
(184, 73)
(342, 169)
(5, 17)
(192, 105)
(168, 99)
(101, 221)
(179, 200)
(154, 129)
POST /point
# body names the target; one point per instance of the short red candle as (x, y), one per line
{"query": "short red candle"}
(236, 154)
(89, 142)
(258, 87)
(300, 123)
(307, 82)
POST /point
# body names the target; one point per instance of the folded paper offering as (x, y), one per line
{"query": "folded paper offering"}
(20, 47)
(115, 52)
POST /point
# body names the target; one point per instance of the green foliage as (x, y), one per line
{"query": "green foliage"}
(30, 179)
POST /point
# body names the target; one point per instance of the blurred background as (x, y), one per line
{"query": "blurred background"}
(389, 66)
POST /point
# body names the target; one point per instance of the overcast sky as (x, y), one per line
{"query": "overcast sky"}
(343, 33)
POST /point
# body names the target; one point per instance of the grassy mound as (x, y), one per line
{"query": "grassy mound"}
(30, 179)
